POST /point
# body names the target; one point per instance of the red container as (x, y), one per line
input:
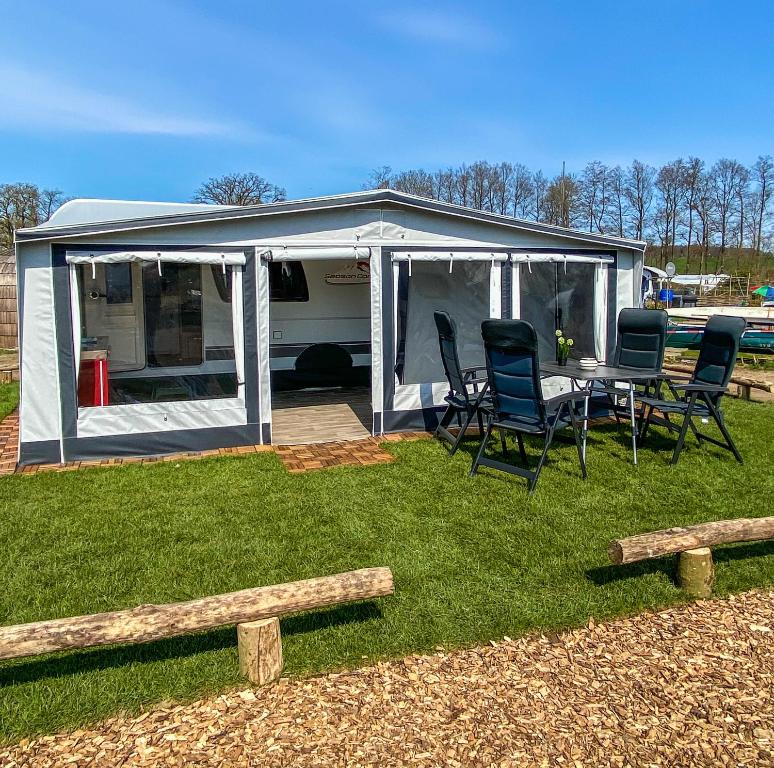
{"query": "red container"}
(93, 382)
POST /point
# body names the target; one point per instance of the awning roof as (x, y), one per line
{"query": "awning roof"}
(352, 200)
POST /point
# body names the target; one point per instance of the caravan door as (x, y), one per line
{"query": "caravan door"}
(112, 305)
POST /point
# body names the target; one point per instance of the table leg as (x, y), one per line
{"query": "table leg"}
(585, 421)
(634, 420)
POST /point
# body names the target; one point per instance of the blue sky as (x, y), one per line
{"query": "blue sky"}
(144, 100)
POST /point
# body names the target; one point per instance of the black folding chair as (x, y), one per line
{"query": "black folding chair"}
(463, 404)
(640, 346)
(518, 406)
(702, 394)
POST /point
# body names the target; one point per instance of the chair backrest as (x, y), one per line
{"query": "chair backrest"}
(641, 338)
(447, 340)
(718, 350)
(513, 368)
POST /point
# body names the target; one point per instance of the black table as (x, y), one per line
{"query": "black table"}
(584, 378)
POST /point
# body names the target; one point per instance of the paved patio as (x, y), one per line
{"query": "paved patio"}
(297, 458)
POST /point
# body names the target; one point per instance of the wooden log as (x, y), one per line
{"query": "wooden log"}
(742, 381)
(660, 543)
(260, 650)
(696, 572)
(155, 622)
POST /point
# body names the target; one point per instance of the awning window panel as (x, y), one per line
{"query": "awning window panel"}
(464, 294)
(560, 296)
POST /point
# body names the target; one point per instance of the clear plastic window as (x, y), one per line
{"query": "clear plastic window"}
(464, 294)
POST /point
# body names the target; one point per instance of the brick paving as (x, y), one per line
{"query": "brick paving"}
(302, 458)
(9, 443)
(296, 458)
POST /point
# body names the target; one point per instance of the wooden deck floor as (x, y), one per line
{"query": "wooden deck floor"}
(321, 416)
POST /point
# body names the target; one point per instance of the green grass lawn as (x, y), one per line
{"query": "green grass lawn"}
(9, 398)
(473, 559)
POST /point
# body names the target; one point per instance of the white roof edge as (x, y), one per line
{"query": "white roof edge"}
(84, 210)
(202, 213)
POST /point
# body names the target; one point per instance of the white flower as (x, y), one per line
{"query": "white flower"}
(558, 333)
(570, 342)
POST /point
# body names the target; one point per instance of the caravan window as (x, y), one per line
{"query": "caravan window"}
(118, 283)
(287, 281)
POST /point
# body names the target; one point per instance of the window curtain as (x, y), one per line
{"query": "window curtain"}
(237, 315)
(538, 303)
(75, 311)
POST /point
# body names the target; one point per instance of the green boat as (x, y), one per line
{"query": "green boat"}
(754, 340)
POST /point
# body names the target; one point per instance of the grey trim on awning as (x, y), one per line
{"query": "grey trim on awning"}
(310, 253)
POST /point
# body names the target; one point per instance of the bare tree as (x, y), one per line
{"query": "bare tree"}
(561, 200)
(639, 192)
(25, 205)
(50, 200)
(445, 185)
(692, 176)
(500, 188)
(522, 192)
(726, 176)
(593, 196)
(380, 178)
(540, 193)
(414, 182)
(239, 189)
(763, 173)
(463, 186)
(669, 183)
(617, 182)
(704, 205)
(479, 182)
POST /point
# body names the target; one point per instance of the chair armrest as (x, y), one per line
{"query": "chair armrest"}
(567, 397)
(472, 371)
(700, 387)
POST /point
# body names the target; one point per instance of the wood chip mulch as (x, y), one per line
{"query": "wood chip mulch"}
(691, 686)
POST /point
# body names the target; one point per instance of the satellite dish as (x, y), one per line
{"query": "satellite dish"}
(670, 269)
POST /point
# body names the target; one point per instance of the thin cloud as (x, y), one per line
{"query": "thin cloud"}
(438, 27)
(38, 101)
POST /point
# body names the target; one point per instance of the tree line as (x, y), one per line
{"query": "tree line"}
(684, 203)
(25, 205)
(708, 215)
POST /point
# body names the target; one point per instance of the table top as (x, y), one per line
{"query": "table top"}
(573, 371)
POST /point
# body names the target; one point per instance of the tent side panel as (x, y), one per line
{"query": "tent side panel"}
(40, 424)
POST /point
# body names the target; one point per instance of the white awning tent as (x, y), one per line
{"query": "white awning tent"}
(417, 255)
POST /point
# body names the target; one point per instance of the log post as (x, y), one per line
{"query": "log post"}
(260, 650)
(696, 572)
